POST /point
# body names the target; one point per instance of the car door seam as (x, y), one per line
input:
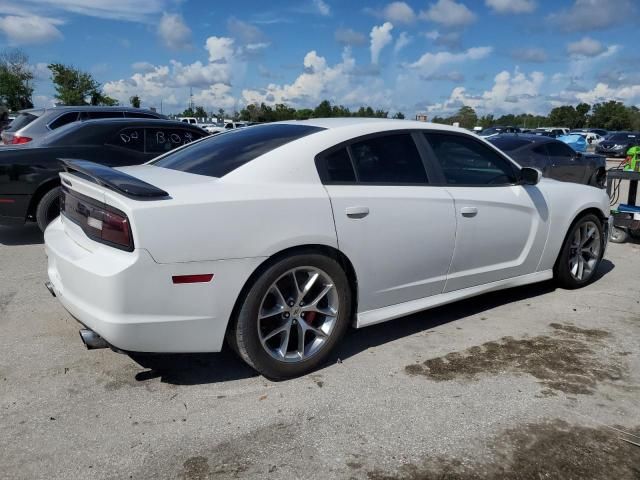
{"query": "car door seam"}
(455, 239)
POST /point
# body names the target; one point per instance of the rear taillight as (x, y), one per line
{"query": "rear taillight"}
(99, 222)
(18, 140)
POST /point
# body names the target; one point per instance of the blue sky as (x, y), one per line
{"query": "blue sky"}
(431, 56)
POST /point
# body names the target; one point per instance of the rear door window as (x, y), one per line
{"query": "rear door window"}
(221, 154)
(338, 167)
(95, 115)
(559, 149)
(390, 159)
(63, 120)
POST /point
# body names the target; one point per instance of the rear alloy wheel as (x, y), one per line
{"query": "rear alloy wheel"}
(581, 253)
(48, 208)
(293, 316)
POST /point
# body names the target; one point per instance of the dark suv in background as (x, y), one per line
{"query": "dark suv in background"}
(35, 123)
(616, 144)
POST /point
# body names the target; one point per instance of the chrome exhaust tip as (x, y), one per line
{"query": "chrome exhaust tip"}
(92, 340)
(49, 286)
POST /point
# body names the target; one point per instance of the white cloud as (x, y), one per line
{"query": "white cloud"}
(321, 81)
(511, 92)
(602, 93)
(174, 32)
(347, 36)
(587, 47)
(589, 15)
(402, 41)
(398, 13)
(171, 83)
(431, 62)
(221, 49)
(380, 38)
(322, 7)
(511, 6)
(531, 54)
(30, 30)
(109, 9)
(449, 13)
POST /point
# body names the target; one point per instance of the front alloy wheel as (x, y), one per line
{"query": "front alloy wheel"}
(581, 253)
(584, 251)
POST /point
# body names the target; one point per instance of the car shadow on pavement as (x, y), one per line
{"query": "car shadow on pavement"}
(205, 368)
(28, 234)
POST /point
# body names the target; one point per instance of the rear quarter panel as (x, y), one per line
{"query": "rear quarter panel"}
(217, 222)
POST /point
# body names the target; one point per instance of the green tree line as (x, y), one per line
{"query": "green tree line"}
(611, 115)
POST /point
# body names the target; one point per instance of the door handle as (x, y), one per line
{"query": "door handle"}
(469, 211)
(357, 212)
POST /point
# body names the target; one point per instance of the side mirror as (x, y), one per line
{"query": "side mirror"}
(578, 154)
(530, 176)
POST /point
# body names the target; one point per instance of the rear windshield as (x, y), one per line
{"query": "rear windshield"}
(221, 154)
(508, 144)
(21, 121)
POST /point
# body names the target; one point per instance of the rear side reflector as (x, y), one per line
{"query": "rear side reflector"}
(7, 200)
(201, 278)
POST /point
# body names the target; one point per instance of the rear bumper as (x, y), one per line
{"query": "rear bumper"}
(131, 301)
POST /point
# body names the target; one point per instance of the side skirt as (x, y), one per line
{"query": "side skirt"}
(392, 312)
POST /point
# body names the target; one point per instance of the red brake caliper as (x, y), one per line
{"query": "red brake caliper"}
(310, 317)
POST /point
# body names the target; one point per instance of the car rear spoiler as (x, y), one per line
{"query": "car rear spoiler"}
(116, 180)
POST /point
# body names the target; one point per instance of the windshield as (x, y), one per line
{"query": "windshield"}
(220, 154)
(491, 131)
(508, 143)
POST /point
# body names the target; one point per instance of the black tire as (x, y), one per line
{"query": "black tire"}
(618, 235)
(48, 208)
(243, 336)
(562, 273)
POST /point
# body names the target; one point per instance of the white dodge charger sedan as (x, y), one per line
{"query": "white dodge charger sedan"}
(278, 236)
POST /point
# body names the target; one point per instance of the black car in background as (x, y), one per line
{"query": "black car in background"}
(29, 181)
(555, 159)
(616, 144)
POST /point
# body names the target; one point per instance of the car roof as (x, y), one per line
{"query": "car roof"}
(132, 121)
(85, 108)
(381, 123)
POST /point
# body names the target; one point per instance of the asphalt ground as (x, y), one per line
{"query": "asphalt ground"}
(534, 382)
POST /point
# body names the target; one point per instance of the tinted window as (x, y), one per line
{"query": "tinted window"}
(221, 154)
(161, 140)
(95, 115)
(621, 137)
(139, 115)
(388, 159)
(559, 149)
(63, 120)
(131, 138)
(465, 161)
(21, 121)
(507, 144)
(338, 166)
(540, 149)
